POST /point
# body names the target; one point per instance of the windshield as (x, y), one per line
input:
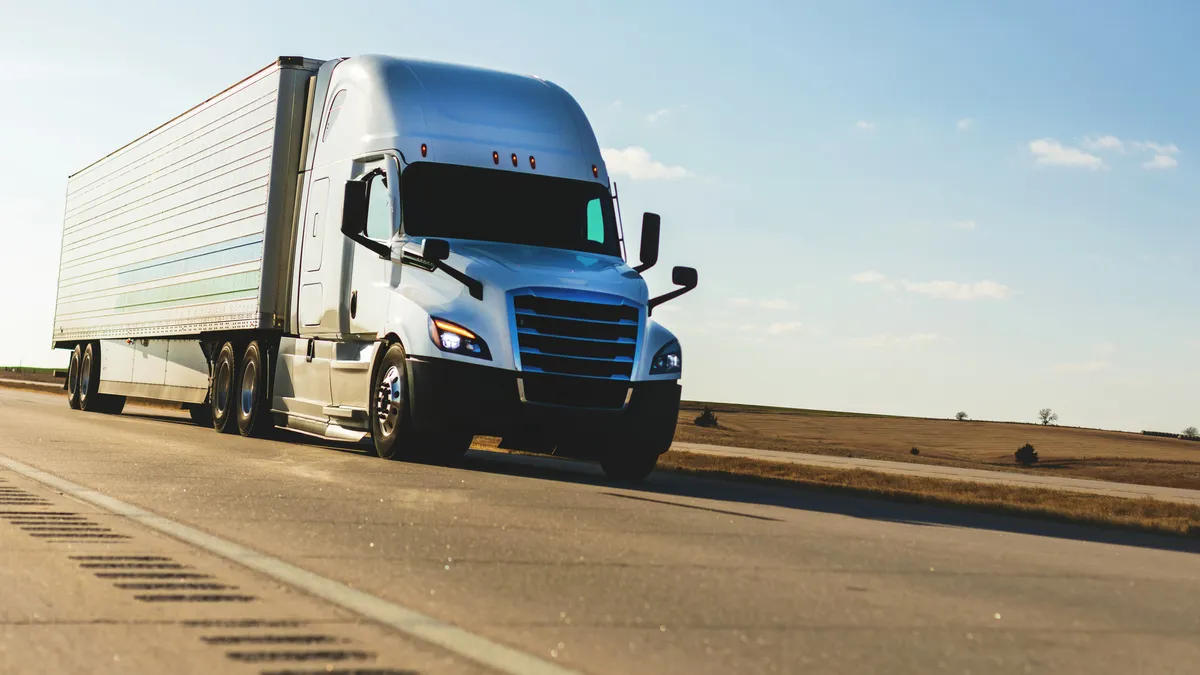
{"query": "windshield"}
(460, 202)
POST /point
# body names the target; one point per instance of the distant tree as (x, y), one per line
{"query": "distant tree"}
(1047, 416)
(1026, 455)
(960, 416)
(1191, 432)
(707, 418)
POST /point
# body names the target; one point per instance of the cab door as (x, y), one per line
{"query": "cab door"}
(366, 297)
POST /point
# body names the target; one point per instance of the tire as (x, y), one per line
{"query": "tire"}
(253, 405)
(447, 448)
(89, 396)
(73, 378)
(390, 428)
(201, 414)
(633, 465)
(222, 389)
(111, 404)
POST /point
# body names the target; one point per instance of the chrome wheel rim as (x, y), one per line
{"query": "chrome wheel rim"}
(249, 388)
(73, 376)
(85, 375)
(223, 383)
(389, 400)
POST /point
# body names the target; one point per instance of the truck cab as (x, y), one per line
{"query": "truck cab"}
(459, 270)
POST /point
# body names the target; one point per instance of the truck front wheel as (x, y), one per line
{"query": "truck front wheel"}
(389, 404)
(223, 392)
(631, 464)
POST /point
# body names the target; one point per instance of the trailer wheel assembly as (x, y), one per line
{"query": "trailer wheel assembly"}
(73, 378)
(223, 389)
(253, 396)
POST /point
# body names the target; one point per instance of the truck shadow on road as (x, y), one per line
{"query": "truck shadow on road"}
(667, 484)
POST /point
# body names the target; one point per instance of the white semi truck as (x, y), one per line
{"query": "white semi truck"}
(417, 251)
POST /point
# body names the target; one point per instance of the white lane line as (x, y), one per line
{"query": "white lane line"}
(461, 642)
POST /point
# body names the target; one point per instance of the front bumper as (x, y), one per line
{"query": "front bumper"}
(450, 395)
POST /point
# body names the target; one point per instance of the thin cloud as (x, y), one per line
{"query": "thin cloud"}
(768, 303)
(884, 340)
(965, 124)
(953, 290)
(1049, 152)
(1101, 143)
(784, 327)
(1161, 162)
(636, 163)
(964, 225)
(1084, 367)
(869, 277)
(658, 115)
(865, 125)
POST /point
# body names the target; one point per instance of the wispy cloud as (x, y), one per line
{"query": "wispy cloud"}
(636, 163)
(948, 290)
(1163, 153)
(782, 327)
(869, 277)
(884, 340)
(964, 225)
(965, 124)
(1101, 143)
(1084, 367)
(658, 115)
(865, 125)
(762, 303)
(1049, 152)
(615, 104)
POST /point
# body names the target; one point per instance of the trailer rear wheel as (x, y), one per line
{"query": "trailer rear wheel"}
(90, 399)
(223, 389)
(254, 400)
(73, 378)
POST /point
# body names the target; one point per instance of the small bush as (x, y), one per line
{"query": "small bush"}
(960, 416)
(1026, 455)
(707, 418)
(915, 451)
(1191, 433)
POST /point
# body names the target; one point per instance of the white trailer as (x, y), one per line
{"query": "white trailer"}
(412, 250)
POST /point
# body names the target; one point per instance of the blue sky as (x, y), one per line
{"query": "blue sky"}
(912, 208)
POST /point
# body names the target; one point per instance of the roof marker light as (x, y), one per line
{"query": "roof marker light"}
(424, 149)
(595, 172)
(532, 163)
(495, 157)
(514, 159)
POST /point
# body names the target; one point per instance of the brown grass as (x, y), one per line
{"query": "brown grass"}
(1146, 515)
(1064, 451)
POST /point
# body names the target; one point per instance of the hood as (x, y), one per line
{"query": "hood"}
(511, 266)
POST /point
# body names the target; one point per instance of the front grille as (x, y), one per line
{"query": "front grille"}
(574, 392)
(571, 337)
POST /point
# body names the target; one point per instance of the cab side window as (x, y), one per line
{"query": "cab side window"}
(379, 209)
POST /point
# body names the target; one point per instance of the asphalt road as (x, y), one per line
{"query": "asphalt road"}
(535, 556)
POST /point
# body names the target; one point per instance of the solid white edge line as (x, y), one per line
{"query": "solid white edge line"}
(411, 622)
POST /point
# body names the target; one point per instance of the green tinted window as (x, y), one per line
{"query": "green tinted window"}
(595, 222)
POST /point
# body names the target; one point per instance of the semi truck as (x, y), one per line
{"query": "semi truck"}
(415, 251)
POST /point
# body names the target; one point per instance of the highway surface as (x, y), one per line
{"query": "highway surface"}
(141, 543)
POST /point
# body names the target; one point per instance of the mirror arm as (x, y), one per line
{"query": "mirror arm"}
(654, 302)
(643, 267)
(383, 250)
(474, 286)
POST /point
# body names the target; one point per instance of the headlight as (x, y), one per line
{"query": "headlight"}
(668, 360)
(453, 338)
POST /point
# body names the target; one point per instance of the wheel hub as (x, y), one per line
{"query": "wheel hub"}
(389, 400)
(249, 388)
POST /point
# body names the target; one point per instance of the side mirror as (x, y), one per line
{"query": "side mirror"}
(435, 249)
(687, 277)
(354, 218)
(651, 229)
(354, 208)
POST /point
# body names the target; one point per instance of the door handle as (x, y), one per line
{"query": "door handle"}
(353, 303)
(311, 351)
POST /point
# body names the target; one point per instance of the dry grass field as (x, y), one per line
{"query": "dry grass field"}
(1063, 451)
